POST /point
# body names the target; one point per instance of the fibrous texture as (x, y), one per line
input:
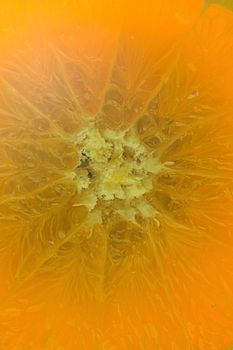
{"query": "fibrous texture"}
(116, 191)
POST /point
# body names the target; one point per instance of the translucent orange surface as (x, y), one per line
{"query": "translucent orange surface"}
(165, 68)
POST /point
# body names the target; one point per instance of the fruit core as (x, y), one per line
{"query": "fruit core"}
(114, 174)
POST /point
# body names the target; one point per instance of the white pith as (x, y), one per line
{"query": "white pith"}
(114, 174)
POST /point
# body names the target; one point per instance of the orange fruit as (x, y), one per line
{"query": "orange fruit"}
(116, 172)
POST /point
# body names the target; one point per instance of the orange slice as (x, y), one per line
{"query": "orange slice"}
(116, 176)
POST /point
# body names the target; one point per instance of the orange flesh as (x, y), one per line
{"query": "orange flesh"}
(164, 69)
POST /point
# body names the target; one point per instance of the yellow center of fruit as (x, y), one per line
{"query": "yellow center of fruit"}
(114, 173)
